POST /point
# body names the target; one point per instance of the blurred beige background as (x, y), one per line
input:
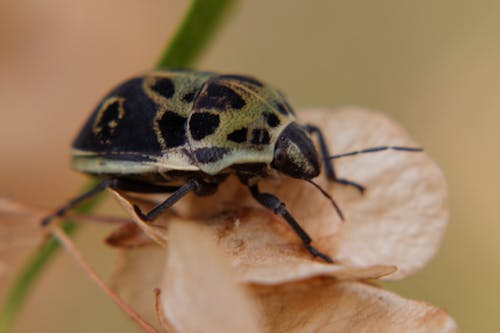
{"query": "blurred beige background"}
(433, 65)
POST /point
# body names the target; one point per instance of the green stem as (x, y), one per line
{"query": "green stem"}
(192, 36)
(194, 33)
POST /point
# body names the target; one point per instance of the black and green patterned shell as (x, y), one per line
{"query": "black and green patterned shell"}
(184, 120)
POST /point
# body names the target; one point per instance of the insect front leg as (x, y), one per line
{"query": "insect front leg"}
(278, 207)
(117, 184)
(328, 163)
(101, 186)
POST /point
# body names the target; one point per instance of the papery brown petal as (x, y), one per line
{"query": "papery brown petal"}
(265, 249)
(155, 233)
(165, 323)
(136, 274)
(200, 291)
(128, 236)
(329, 306)
(402, 216)
(20, 235)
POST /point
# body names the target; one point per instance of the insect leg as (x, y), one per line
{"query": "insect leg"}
(191, 185)
(72, 203)
(125, 185)
(278, 207)
(329, 170)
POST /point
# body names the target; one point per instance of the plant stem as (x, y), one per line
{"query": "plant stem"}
(191, 37)
(194, 33)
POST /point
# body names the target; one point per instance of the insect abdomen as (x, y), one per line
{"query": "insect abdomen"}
(121, 123)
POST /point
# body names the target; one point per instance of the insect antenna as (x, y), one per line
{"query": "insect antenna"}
(329, 197)
(375, 150)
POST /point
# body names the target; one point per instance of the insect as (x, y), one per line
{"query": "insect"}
(182, 131)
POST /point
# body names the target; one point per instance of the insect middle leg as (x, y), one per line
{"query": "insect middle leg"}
(278, 207)
(190, 186)
(328, 163)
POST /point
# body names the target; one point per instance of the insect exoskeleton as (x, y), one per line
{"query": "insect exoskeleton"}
(182, 121)
(182, 131)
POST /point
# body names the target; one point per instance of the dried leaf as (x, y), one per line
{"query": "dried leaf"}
(329, 306)
(311, 305)
(20, 235)
(128, 236)
(157, 234)
(137, 273)
(200, 290)
(402, 216)
(262, 247)
(266, 251)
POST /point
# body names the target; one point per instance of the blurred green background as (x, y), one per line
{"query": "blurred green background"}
(432, 65)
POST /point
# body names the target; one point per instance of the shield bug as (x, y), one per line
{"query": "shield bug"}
(182, 131)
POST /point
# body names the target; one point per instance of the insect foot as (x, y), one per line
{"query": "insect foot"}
(139, 212)
(48, 219)
(312, 250)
